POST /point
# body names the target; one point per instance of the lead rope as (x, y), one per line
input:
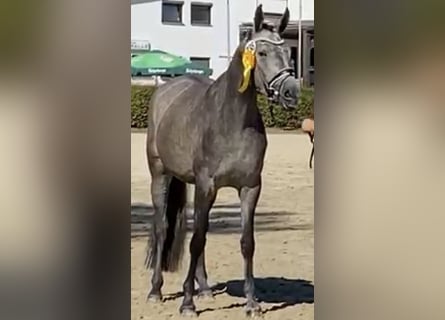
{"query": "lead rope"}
(271, 111)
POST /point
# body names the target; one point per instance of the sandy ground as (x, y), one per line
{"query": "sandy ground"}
(284, 257)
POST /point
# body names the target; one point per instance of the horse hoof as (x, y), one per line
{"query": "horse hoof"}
(154, 298)
(188, 312)
(254, 312)
(206, 295)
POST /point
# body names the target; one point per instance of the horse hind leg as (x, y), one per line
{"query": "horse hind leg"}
(205, 195)
(169, 229)
(159, 186)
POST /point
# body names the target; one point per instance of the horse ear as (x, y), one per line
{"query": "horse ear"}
(283, 21)
(248, 34)
(259, 18)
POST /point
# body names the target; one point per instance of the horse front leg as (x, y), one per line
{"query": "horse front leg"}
(249, 199)
(205, 195)
(201, 277)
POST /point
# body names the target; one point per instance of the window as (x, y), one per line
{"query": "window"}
(172, 12)
(201, 62)
(201, 13)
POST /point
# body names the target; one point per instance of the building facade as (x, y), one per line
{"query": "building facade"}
(208, 31)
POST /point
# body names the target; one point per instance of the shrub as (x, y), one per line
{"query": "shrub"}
(140, 98)
(288, 118)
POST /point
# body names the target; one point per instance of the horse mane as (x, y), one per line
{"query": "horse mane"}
(227, 84)
(234, 73)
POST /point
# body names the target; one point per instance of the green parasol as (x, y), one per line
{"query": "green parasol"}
(160, 63)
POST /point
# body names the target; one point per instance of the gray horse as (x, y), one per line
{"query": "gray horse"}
(211, 134)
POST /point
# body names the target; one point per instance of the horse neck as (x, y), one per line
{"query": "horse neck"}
(236, 109)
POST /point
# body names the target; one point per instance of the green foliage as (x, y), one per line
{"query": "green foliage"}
(140, 98)
(288, 118)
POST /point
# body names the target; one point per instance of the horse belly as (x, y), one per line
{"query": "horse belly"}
(176, 152)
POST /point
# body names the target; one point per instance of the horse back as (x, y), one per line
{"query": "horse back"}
(177, 93)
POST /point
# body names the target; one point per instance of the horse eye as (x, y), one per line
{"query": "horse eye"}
(262, 53)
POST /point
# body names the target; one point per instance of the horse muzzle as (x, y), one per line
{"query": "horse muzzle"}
(289, 90)
(284, 89)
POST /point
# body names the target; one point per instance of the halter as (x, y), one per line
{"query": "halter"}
(272, 92)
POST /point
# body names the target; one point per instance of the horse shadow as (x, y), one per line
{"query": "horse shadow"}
(281, 292)
(275, 290)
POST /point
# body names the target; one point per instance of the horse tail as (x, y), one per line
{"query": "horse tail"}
(175, 222)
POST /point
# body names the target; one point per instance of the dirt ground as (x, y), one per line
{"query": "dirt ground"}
(284, 256)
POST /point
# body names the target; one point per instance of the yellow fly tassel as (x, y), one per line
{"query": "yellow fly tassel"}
(249, 64)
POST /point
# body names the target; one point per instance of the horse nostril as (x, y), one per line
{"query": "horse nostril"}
(289, 89)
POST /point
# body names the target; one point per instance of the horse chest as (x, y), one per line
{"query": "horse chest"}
(242, 160)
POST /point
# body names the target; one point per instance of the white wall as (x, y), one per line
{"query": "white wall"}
(278, 6)
(244, 11)
(186, 40)
(201, 41)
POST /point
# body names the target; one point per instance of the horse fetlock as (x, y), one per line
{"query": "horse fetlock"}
(188, 287)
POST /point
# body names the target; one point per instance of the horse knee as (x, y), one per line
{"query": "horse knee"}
(198, 241)
(160, 229)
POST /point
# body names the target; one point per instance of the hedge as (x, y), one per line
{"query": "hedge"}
(140, 98)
